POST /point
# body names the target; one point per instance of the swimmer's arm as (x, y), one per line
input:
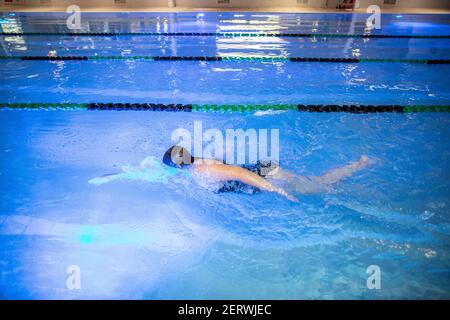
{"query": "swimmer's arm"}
(225, 172)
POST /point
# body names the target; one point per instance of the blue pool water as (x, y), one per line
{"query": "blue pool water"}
(174, 239)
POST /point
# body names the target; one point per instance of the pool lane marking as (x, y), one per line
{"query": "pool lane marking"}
(229, 35)
(212, 58)
(316, 108)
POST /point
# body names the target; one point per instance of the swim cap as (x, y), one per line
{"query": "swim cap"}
(177, 157)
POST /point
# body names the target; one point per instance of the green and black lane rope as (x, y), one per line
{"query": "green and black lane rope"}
(217, 58)
(225, 108)
(229, 34)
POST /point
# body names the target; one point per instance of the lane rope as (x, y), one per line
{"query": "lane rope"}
(229, 34)
(225, 108)
(212, 58)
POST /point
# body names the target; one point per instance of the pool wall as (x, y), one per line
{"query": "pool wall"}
(315, 4)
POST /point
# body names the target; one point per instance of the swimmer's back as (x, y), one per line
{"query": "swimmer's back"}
(224, 173)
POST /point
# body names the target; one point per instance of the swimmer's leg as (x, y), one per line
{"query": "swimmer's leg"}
(317, 184)
(336, 175)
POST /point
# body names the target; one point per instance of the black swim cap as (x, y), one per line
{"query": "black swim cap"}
(177, 157)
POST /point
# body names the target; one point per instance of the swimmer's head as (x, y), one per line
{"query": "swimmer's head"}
(178, 157)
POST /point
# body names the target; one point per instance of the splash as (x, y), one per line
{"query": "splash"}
(150, 170)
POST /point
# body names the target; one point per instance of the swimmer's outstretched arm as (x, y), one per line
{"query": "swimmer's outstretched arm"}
(224, 172)
(106, 178)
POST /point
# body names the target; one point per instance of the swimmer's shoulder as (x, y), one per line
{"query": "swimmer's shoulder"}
(200, 161)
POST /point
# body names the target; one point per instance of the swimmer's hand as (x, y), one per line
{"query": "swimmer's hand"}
(284, 193)
(104, 179)
(291, 197)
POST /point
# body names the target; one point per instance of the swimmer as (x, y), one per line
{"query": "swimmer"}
(220, 177)
(261, 176)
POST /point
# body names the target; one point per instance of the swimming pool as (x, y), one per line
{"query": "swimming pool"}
(175, 240)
